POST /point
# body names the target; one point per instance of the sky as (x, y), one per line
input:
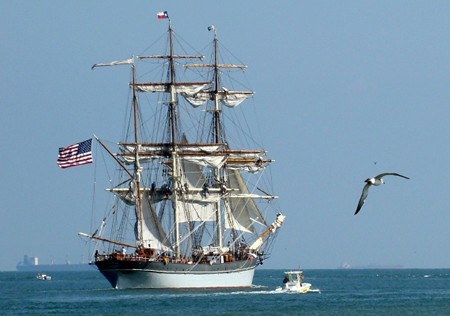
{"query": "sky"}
(346, 90)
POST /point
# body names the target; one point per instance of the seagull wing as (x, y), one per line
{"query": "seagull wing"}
(363, 197)
(389, 174)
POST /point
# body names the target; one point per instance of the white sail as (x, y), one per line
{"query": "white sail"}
(197, 203)
(226, 97)
(207, 161)
(197, 99)
(252, 167)
(197, 208)
(150, 228)
(232, 222)
(243, 209)
(153, 236)
(234, 98)
(126, 195)
(245, 161)
(186, 88)
(147, 152)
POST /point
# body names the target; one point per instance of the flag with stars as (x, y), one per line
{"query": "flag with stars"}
(75, 155)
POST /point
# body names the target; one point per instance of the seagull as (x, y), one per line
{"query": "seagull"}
(377, 180)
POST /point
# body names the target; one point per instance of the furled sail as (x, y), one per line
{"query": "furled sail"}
(210, 161)
(247, 161)
(198, 98)
(126, 194)
(234, 98)
(226, 97)
(187, 88)
(147, 152)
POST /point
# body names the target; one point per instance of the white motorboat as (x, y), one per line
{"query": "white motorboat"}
(293, 282)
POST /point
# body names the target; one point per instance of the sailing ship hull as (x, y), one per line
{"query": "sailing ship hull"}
(160, 275)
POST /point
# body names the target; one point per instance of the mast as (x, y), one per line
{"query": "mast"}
(173, 88)
(218, 94)
(216, 120)
(172, 102)
(173, 121)
(217, 134)
(137, 166)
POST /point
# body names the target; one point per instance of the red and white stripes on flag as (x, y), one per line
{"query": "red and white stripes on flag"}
(75, 155)
(162, 15)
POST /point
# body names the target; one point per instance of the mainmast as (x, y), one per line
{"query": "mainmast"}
(137, 166)
(172, 87)
(173, 98)
(217, 135)
(174, 154)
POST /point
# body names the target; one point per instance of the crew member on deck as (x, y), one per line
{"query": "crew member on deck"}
(205, 190)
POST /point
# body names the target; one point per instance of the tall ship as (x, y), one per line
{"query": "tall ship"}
(193, 203)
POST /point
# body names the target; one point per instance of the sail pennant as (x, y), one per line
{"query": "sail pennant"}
(115, 63)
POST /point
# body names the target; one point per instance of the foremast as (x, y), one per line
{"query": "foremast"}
(230, 98)
(137, 166)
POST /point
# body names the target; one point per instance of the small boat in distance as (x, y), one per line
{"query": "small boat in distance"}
(293, 283)
(43, 277)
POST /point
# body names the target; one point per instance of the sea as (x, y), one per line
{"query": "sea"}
(340, 292)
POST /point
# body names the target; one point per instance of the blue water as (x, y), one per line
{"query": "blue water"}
(342, 292)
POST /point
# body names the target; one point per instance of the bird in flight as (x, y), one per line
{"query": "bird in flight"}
(377, 180)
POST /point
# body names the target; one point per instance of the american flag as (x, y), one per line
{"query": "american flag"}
(75, 155)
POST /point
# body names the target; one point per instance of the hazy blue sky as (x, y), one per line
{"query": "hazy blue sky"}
(340, 85)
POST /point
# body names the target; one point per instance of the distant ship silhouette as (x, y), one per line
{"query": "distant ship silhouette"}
(32, 264)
